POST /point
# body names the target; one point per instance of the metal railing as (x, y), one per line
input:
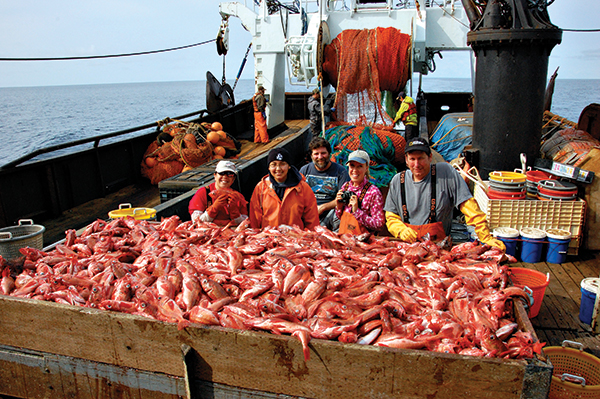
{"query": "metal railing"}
(96, 140)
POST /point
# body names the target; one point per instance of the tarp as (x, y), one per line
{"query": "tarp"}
(452, 134)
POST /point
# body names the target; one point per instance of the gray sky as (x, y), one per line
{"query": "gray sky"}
(61, 28)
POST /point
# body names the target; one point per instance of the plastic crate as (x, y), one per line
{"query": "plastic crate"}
(566, 215)
(576, 374)
(26, 234)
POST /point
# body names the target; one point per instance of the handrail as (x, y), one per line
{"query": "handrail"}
(95, 140)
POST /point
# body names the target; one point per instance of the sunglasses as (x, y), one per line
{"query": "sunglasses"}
(228, 174)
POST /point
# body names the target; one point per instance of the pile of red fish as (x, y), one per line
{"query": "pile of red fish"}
(310, 284)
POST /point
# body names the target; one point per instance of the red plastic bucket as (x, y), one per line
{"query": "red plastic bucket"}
(533, 279)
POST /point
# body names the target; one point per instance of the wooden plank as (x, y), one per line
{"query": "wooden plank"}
(45, 375)
(571, 296)
(243, 358)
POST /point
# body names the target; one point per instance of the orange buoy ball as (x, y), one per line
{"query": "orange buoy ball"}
(213, 137)
(219, 151)
(216, 126)
(217, 156)
(222, 134)
(150, 162)
(190, 141)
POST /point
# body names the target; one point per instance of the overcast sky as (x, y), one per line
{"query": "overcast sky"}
(61, 28)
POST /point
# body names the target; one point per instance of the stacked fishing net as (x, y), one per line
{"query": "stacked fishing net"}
(385, 148)
(183, 146)
(374, 61)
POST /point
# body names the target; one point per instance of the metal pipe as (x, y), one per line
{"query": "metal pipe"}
(472, 11)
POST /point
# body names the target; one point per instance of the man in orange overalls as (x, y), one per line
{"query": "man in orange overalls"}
(421, 200)
(260, 120)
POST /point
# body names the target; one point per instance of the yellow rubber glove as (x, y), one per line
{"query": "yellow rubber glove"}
(475, 217)
(398, 229)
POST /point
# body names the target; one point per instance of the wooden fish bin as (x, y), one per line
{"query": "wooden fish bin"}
(50, 350)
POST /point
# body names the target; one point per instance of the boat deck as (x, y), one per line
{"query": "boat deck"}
(142, 194)
(558, 319)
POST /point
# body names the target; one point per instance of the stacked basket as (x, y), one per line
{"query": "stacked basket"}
(506, 185)
(533, 178)
(554, 190)
(576, 374)
(26, 234)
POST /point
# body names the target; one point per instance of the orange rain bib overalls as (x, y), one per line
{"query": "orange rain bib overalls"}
(433, 227)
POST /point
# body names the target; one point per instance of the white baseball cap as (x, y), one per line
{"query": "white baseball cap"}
(225, 166)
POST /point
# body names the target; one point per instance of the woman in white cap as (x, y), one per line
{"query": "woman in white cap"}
(219, 203)
(359, 203)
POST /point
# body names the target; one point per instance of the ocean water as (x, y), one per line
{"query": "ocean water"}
(32, 118)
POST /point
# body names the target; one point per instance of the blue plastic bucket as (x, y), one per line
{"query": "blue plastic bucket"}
(510, 238)
(532, 244)
(558, 245)
(589, 286)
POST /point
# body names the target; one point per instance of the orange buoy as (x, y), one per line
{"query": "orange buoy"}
(190, 141)
(213, 137)
(222, 134)
(219, 151)
(216, 126)
(150, 162)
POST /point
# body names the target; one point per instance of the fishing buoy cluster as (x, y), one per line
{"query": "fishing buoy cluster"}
(217, 137)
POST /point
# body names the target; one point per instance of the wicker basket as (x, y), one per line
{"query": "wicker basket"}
(576, 373)
(26, 234)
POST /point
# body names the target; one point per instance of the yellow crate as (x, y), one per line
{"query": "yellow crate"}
(567, 215)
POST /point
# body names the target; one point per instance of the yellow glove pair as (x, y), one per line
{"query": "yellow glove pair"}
(399, 229)
(475, 217)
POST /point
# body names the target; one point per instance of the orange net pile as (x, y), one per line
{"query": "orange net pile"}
(569, 146)
(361, 64)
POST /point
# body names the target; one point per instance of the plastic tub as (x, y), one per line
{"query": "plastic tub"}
(507, 177)
(558, 245)
(532, 244)
(576, 374)
(589, 288)
(510, 238)
(136, 213)
(536, 281)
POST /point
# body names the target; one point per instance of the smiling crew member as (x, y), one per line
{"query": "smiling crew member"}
(282, 196)
(407, 113)
(421, 200)
(259, 103)
(363, 210)
(326, 179)
(220, 203)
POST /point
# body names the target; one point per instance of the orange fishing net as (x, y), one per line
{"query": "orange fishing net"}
(569, 146)
(169, 159)
(361, 64)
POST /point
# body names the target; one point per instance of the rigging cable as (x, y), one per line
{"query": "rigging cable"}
(105, 56)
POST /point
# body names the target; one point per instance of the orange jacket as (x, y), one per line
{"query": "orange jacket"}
(299, 206)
